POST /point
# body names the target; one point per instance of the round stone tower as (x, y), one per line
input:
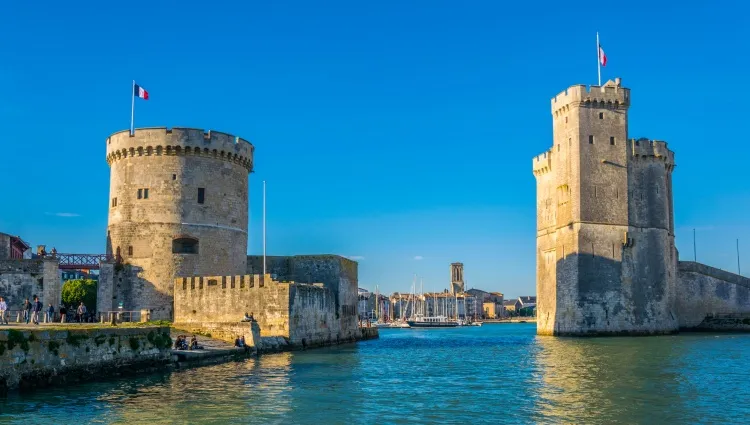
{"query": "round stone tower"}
(178, 206)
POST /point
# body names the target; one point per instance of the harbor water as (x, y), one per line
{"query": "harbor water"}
(494, 374)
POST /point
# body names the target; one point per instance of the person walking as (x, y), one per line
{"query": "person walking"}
(3, 310)
(36, 310)
(50, 314)
(26, 311)
(81, 312)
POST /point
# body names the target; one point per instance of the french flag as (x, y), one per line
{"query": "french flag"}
(139, 91)
(602, 59)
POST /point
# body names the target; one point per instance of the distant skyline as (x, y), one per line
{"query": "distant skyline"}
(397, 134)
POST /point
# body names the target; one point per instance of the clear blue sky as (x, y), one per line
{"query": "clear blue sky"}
(387, 131)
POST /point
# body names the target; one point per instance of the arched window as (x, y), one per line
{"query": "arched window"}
(184, 245)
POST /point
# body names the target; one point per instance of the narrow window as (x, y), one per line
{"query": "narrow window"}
(201, 195)
(174, 176)
(140, 193)
(566, 120)
(601, 115)
(570, 141)
(114, 202)
(594, 191)
(612, 140)
(130, 250)
(145, 193)
(591, 139)
(558, 147)
(613, 250)
(593, 254)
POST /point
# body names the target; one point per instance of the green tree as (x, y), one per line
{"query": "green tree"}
(77, 290)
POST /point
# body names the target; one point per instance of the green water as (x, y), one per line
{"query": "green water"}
(491, 374)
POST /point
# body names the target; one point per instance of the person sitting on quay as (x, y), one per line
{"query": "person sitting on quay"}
(181, 343)
(63, 314)
(50, 314)
(37, 309)
(248, 317)
(194, 344)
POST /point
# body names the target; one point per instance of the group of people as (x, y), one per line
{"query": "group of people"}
(32, 312)
(181, 343)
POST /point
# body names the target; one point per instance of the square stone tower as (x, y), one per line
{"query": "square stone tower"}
(606, 261)
(457, 278)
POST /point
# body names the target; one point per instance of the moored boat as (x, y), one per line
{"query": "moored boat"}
(432, 322)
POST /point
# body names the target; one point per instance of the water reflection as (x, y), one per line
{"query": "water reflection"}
(626, 380)
(492, 374)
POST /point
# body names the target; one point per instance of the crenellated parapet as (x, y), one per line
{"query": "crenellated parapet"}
(235, 282)
(611, 95)
(162, 141)
(542, 163)
(645, 149)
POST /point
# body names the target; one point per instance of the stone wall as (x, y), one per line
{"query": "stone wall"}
(226, 299)
(174, 165)
(21, 279)
(51, 356)
(303, 314)
(337, 273)
(703, 290)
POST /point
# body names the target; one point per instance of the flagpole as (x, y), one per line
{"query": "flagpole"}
(132, 107)
(598, 59)
(264, 227)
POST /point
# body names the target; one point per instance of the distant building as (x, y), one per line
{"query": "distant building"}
(491, 310)
(511, 306)
(528, 306)
(13, 248)
(457, 278)
(67, 275)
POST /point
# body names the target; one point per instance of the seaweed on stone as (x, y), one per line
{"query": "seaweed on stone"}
(99, 340)
(54, 347)
(75, 340)
(134, 344)
(16, 338)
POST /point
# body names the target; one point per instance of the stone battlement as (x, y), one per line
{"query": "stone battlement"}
(645, 148)
(542, 163)
(234, 282)
(159, 141)
(611, 95)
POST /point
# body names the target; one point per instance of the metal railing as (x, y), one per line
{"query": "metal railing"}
(124, 316)
(19, 316)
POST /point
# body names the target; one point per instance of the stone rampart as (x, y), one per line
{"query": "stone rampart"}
(304, 315)
(226, 299)
(51, 356)
(337, 273)
(21, 279)
(703, 290)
